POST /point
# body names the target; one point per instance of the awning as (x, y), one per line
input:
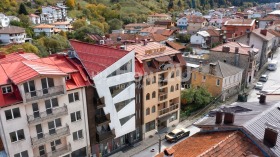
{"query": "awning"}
(164, 118)
(163, 59)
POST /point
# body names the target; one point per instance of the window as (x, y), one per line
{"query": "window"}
(218, 82)
(150, 126)
(53, 125)
(177, 73)
(68, 77)
(148, 81)
(75, 116)
(172, 74)
(122, 104)
(154, 94)
(73, 97)
(148, 111)
(154, 79)
(172, 89)
(6, 89)
(173, 117)
(177, 87)
(17, 135)
(148, 96)
(47, 83)
(29, 87)
(153, 109)
(54, 144)
(50, 104)
(115, 90)
(22, 154)
(12, 113)
(42, 150)
(77, 135)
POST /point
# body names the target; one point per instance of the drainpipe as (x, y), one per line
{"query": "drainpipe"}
(87, 131)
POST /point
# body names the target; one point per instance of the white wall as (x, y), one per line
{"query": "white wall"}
(16, 38)
(182, 21)
(232, 81)
(197, 39)
(5, 21)
(48, 31)
(103, 83)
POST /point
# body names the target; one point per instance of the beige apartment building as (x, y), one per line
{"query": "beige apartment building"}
(158, 17)
(161, 85)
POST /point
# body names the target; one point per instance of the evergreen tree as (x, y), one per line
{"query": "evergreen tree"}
(22, 9)
(170, 5)
(193, 4)
(179, 4)
(211, 2)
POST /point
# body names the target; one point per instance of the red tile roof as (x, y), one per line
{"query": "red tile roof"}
(18, 56)
(266, 37)
(175, 46)
(240, 22)
(216, 144)
(139, 69)
(195, 19)
(243, 49)
(96, 58)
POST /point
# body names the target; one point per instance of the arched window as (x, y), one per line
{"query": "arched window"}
(154, 79)
(172, 89)
(148, 96)
(177, 87)
(147, 111)
(148, 81)
(153, 109)
(154, 94)
(177, 73)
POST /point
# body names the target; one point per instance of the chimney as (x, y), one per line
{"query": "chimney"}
(212, 68)
(169, 152)
(262, 99)
(229, 118)
(226, 49)
(145, 42)
(270, 137)
(200, 66)
(20, 50)
(236, 57)
(264, 32)
(219, 117)
(236, 50)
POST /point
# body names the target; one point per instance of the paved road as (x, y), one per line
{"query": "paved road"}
(273, 82)
(164, 144)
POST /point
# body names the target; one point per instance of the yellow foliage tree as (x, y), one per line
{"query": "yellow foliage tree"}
(70, 3)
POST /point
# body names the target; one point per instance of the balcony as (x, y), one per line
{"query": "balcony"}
(100, 103)
(43, 116)
(162, 97)
(106, 135)
(101, 120)
(58, 152)
(44, 93)
(168, 109)
(47, 137)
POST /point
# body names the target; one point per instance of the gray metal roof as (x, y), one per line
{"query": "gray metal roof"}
(254, 121)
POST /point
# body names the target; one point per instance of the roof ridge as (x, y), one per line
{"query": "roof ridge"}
(220, 68)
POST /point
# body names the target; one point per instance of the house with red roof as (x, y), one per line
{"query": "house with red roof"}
(43, 105)
(114, 120)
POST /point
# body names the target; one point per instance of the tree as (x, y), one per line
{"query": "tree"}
(81, 33)
(22, 9)
(170, 5)
(115, 24)
(79, 23)
(198, 97)
(179, 4)
(70, 3)
(211, 2)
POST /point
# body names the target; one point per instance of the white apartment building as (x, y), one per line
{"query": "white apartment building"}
(44, 28)
(12, 34)
(43, 108)
(63, 26)
(4, 20)
(158, 17)
(35, 19)
(52, 14)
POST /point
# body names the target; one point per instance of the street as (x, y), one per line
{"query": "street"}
(272, 84)
(164, 144)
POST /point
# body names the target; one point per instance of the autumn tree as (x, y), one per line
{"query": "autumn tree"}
(70, 3)
(115, 24)
(170, 5)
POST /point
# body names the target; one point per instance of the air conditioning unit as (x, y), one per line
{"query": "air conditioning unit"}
(101, 42)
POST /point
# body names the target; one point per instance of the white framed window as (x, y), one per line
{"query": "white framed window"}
(17, 135)
(73, 97)
(7, 89)
(53, 125)
(78, 135)
(218, 82)
(75, 116)
(54, 144)
(68, 77)
(12, 113)
(22, 154)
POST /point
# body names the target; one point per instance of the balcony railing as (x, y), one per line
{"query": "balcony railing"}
(47, 137)
(168, 109)
(162, 97)
(43, 116)
(58, 152)
(104, 119)
(106, 135)
(44, 93)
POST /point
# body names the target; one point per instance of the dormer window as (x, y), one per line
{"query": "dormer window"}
(68, 77)
(7, 89)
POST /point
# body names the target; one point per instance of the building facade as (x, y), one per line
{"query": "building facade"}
(44, 29)
(237, 27)
(162, 68)
(4, 20)
(12, 34)
(43, 113)
(158, 17)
